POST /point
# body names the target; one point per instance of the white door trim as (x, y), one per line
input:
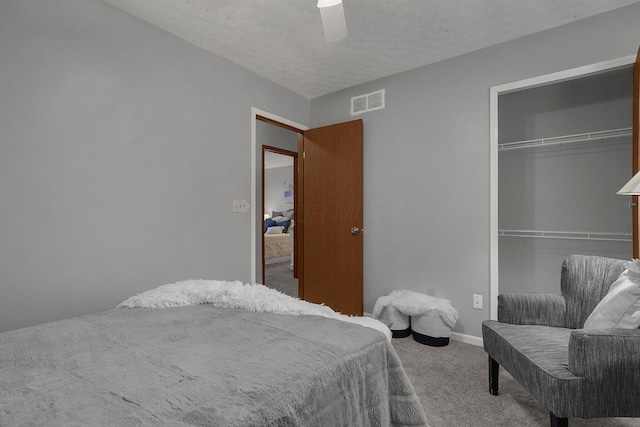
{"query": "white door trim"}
(494, 91)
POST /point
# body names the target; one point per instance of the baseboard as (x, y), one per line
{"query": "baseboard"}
(469, 339)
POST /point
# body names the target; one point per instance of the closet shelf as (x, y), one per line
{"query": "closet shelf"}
(567, 139)
(573, 235)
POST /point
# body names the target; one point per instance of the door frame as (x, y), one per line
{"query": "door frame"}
(636, 152)
(494, 92)
(265, 116)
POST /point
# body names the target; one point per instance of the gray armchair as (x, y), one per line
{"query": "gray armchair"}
(573, 372)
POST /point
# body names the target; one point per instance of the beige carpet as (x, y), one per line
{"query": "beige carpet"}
(452, 383)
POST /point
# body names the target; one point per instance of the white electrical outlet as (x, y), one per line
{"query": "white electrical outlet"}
(477, 301)
(240, 206)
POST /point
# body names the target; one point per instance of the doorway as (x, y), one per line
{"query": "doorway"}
(279, 177)
(329, 205)
(263, 123)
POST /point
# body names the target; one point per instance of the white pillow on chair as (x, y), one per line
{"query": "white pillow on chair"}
(620, 308)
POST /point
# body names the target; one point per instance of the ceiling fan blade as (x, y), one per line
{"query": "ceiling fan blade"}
(333, 21)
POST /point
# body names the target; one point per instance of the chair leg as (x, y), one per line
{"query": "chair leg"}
(558, 422)
(494, 370)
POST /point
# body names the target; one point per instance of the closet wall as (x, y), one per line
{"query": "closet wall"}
(555, 198)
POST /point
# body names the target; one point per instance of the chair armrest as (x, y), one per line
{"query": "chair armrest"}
(532, 309)
(595, 351)
(608, 360)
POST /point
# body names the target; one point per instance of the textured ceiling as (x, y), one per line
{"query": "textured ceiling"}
(282, 40)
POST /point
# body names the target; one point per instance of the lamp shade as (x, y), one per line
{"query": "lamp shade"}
(631, 188)
(328, 3)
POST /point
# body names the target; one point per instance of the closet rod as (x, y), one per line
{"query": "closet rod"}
(557, 140)
(574, 235)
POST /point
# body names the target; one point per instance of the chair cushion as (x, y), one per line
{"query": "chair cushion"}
(537, 357)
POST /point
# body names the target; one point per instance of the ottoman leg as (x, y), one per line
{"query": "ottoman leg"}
(494, 371)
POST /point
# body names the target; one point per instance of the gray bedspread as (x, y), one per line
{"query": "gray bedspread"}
(202, 366)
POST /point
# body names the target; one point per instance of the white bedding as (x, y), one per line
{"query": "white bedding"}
(204, 352)
(253, 297)
(200, 365)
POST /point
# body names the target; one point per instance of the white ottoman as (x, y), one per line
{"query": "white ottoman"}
(428, 318)
(398, 322)
(430, 329)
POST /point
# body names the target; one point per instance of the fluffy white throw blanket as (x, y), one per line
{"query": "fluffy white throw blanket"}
(416, 304)
(253, 297)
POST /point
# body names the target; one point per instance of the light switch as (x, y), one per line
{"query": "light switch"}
(240, 206)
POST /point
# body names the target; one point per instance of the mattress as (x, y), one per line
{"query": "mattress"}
(202, 365)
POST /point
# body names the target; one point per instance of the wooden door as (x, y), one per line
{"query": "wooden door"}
(331, 217)
(636, 151)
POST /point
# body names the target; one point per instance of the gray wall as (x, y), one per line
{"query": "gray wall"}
(426, 158)
(274, 189)
(569, 187)
(123, 146)
(587, 104)
(121, 150)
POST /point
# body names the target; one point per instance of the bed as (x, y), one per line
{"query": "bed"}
(277, 247)
(278, 238)
(204, 364)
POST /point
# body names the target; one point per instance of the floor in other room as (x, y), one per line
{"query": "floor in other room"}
(280, 277)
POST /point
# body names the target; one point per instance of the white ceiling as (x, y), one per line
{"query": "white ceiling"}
(282, 40)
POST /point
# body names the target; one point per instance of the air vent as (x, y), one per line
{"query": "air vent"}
(368, 102)
(358, 104)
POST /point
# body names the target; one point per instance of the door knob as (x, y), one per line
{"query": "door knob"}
(355, 231)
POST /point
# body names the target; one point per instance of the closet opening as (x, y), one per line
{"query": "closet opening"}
(561, 147)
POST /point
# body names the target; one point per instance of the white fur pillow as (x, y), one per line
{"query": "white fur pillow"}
(620, 308)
